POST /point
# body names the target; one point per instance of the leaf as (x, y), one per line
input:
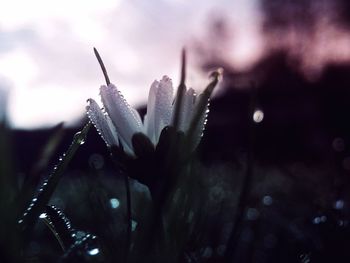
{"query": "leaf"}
(31, 181)
(200, 113)
(59, 225)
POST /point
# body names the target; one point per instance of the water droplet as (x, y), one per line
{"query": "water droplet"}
(316, 220)
(43, 215)
(114, 203)
(93, 252)
(339, 204)
(80, 234)
(81, 141)
(258, 116)
(267, 200)
(133, 225)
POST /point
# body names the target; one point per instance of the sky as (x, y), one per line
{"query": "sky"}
(48, 69)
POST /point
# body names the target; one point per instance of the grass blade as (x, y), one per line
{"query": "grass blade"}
(37, 206)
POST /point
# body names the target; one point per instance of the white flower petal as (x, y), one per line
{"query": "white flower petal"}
(138, 118)
(102, 123)
(122, 115)
(163, 105)
(150, 131)
(145, 124)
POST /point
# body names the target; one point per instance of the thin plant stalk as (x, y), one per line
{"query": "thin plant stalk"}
(180, 91)
(246, 186)
(126, 178)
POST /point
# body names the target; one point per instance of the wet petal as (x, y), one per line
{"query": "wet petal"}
(102, 123)
(149, 121)
(145, 124)
(121, 113)
(138, 118)
(163, 105)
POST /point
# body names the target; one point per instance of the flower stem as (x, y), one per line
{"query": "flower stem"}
(128, 216)
(126, 178)
(246, 186)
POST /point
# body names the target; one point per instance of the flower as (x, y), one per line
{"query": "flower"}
(118, 122)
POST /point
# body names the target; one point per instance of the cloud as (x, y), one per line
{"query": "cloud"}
(47, 50)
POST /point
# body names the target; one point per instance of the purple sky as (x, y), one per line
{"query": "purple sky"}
(48, 68)
(46, 50)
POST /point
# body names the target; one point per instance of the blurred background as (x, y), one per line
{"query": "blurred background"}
(47, 60)
(291, 57)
